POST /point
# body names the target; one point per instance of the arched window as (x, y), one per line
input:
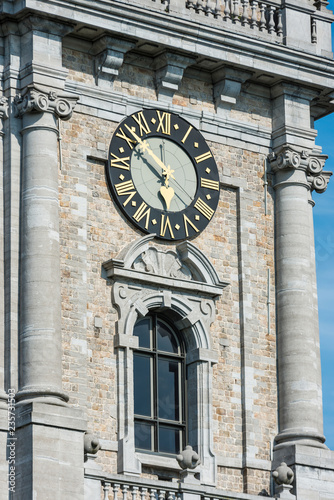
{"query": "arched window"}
(159, 387)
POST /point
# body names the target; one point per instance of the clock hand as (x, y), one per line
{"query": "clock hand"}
(166, 191)
(145, 147)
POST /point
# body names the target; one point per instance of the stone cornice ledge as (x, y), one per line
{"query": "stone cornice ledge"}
(167, 30)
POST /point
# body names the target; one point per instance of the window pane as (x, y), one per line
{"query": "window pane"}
(142, 384)
(169, 440)
(168, 389)
(142, 330)
(166, 339)
(143, 435)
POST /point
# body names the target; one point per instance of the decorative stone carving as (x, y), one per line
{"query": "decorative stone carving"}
(91, 443)
(169, 73)
(36, 99)
(181, 284)
(283, 474)
(283, 477)
(109, 57)
(227, 84)
(188, 458)
(162, 263)
(313, 164)
(3, 107)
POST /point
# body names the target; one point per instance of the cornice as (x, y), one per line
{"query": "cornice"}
(244, 50)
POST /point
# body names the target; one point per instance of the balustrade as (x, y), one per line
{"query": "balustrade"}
(265, 17)
(131, 491)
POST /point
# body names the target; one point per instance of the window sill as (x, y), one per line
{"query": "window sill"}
(159, 461)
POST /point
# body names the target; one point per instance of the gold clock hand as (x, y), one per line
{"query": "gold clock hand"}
(145, 147)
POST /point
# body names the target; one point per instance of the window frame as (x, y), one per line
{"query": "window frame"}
(155, 354)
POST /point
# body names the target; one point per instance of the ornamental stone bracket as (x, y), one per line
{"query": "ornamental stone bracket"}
(39, 100)
(227, 83)
(109, 57)
(310, 162)
(169, 69)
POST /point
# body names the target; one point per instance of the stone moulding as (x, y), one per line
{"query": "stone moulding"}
(180, 283)
(185, 269)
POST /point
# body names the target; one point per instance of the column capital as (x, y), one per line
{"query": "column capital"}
(287, 158)
(40, 100)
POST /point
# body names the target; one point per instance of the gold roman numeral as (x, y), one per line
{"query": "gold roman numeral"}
(186, 222)
(186, 134)
(204, 156)
(207, 183)
(120, 162)
(204, 208)
(126, 189)
(122, 135)
(164, 225)
(164, 122)
(143, 126)
(141, 213)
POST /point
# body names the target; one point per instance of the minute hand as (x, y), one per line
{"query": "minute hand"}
(145, 147)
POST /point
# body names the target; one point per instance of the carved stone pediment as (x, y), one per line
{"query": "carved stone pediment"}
(186, 269)
(162, 263)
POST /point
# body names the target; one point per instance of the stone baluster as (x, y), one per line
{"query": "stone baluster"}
(271, 22)
(253, 22)
(191, 4)
(262, 17)
(314, 37)
(125, 488)
(40, 307)
(143, 493)
(244, 17)
(227, 11)
(134, 492)
(106, 487)
(279, 22)
(115, 490)
(235, 11)
(153, 493)
(161, 494)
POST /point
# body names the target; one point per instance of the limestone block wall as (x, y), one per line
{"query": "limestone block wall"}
(238, 242)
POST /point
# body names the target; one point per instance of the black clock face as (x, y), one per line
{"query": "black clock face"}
(162, 175)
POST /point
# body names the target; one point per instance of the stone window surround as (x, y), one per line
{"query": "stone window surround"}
(184, 282)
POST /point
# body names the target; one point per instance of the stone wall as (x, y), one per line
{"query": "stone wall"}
(238, 242)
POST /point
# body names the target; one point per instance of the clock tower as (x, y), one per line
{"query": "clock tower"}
(159, 333)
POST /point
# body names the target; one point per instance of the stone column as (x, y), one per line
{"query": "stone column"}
(299, 370)
(40, 306)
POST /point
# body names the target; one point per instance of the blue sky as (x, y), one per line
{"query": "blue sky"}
(324, 241)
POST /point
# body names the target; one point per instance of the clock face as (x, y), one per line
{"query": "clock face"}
(162, 175)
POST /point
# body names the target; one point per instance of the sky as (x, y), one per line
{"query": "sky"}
(324, 247)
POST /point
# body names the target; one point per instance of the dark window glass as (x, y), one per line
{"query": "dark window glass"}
(142, 384)
(169, 439)
(143, 435)
(158, 387)
(142, 330)
(168, 384)
(166, 339)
